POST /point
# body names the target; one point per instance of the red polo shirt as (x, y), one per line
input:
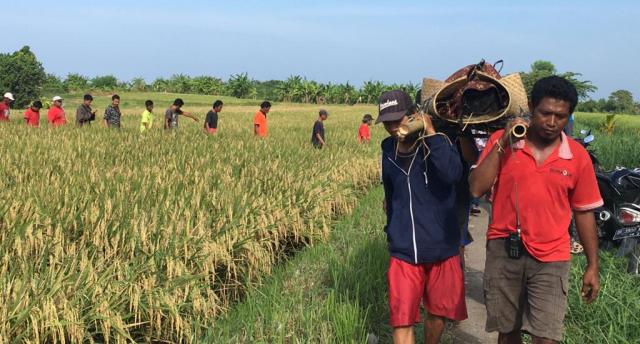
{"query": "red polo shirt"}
(32, 117)
(55, 116)
(4, 111)
(363, 133)
(546, 195)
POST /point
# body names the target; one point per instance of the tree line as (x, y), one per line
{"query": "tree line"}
(22, 74)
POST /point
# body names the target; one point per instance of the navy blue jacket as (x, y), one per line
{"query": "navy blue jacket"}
(421, 216)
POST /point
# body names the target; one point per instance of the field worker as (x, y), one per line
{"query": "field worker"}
(84, 114)
(317, 135)
(56, 116)
(172, 113)
(32, 114)
(260, 120)
(419, 180)
(364, 134)
(5, 107)
(112, 114)
(211, 122)
(146, 118)
(537, 182)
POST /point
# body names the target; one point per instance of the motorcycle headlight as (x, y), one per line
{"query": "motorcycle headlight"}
(628, 216)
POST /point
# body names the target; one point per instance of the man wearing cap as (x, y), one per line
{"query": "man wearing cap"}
(5, 107)
(537, 182)
(56, 116)
(317, 135)
(84, 114)
(419, 175)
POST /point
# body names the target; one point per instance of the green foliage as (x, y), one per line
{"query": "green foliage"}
(138, 85)
(240, 86)
(76, 83)
(53, 84)
(542, 69)
(104, 83)
(206, 85)
(22, 74)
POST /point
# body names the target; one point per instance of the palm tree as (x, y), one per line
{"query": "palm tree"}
(240, 86)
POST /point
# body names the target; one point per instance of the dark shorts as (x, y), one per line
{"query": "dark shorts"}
(524, 293)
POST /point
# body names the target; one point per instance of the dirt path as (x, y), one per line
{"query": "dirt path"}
(472, 329)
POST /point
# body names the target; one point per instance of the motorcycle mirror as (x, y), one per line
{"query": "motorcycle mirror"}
(583, 132)
(588, 139)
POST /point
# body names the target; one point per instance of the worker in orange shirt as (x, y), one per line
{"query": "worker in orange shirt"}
(260, 120)
(56, 116)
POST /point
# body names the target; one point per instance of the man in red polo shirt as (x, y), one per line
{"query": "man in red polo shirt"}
(56, 116)
(5, 107)
(537, 183)
(32, 114)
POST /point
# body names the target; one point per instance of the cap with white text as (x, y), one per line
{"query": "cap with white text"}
(393, 105)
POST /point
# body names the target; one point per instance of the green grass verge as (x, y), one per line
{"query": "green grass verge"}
(335, 292)
(332, 292)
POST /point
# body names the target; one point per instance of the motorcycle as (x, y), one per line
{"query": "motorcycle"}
(618, 220)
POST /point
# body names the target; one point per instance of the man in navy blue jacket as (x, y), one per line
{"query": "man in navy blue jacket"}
(420, 177)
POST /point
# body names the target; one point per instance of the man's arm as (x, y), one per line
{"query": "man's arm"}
(187, 114)
(319, 137)
(256, 129)
(586, 226)
(484, 175)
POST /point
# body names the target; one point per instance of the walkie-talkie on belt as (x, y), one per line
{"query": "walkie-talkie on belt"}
(514, 241)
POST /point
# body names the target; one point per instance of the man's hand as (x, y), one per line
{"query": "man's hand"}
(428, 125)
(590, 285)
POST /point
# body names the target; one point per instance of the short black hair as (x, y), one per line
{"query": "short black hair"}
(37, 104)
(87, 97)
(555, 87)
(265, 105)
(115, 96)
(148, 103)
(178, 102)
(367, 118)
(217, 103)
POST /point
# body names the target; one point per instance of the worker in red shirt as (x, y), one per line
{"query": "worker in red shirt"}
(537, 183)
(56, 116)
(32, 114)
(260, 120)
(5, 107)
(364, 134)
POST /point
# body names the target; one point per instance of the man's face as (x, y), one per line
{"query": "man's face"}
(218, 108)
(150, 108)
(549, 118)
(115, 102)
(324, 117)
(265, 110)
(58, 103)
(88, 102)
(35, 109)
(392, 126)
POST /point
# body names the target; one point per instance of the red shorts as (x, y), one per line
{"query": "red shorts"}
(439, 285)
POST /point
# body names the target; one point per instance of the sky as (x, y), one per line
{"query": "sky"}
(328, 41)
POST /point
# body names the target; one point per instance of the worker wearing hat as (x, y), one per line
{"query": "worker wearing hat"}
(56, 116)
(419, 176)
(5, 107)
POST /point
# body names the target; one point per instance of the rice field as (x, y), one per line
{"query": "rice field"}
(113, 236)
(116, 236)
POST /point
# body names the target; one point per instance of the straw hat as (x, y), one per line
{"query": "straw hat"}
(517, 104)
